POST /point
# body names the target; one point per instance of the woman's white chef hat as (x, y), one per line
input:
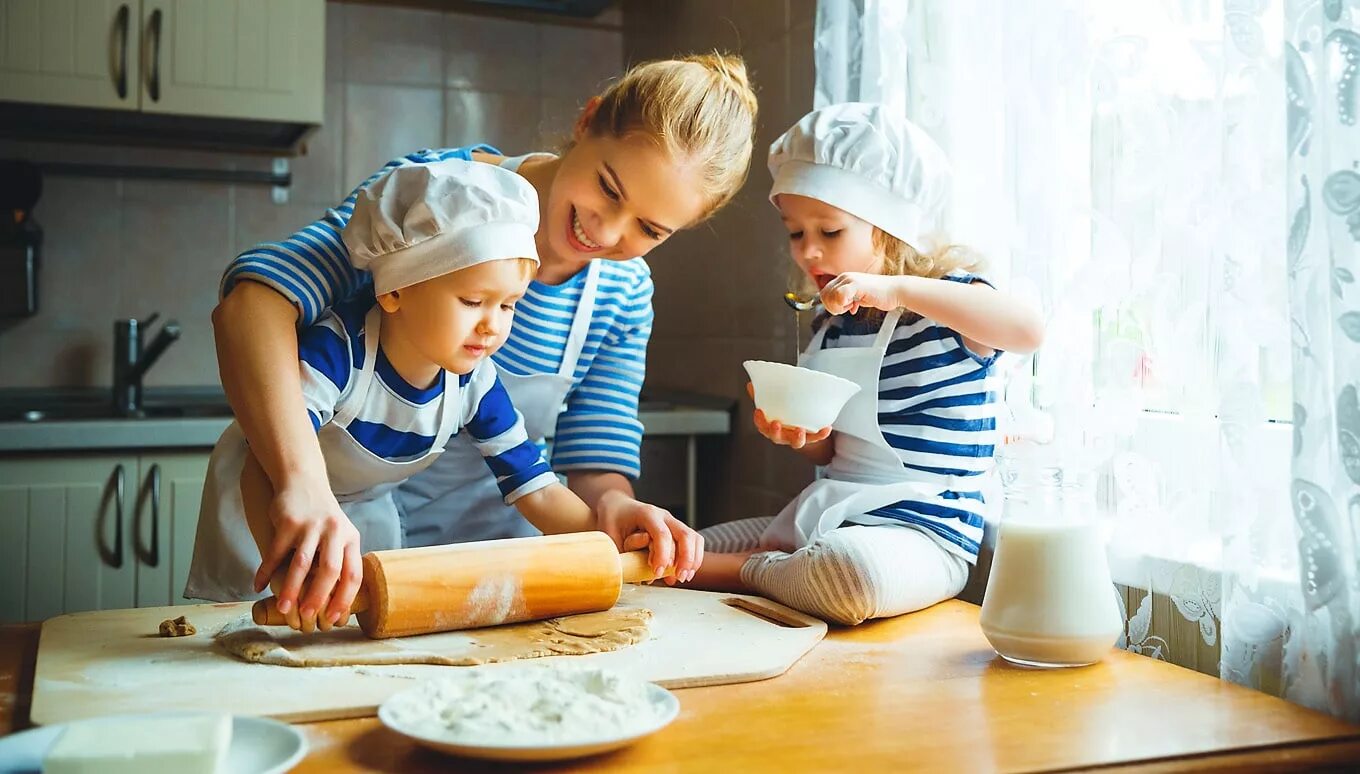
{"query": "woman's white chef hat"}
(421, 221)
(861, 158)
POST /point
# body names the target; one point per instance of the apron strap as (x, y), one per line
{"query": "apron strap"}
(512, 163)
(884, 336)
(580, 323)
(448, 412)
(885, 331)
(815, 345)
(351, 403)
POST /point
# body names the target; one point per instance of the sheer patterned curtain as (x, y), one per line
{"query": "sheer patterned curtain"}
(1128, 165)
(860, 52)
(1322, 57)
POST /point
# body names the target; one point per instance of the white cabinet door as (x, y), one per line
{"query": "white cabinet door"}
(70, 52)
(168, 497)
(65, 535)
(254, 59)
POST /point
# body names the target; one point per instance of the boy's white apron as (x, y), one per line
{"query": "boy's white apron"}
(225, 555)
(457, 500)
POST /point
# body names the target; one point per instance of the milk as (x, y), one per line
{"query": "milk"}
(1049, 599)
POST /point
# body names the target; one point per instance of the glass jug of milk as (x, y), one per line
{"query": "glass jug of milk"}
(1049, 600)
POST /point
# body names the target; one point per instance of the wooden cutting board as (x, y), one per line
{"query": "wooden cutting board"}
(113, 661)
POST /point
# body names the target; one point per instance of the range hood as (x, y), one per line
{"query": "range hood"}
(53, 123)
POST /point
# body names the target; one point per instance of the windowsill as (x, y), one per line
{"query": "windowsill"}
(1138, 562)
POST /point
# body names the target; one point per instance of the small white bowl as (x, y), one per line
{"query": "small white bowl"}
(796, 396)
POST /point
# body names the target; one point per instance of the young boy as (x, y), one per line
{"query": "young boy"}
(450, 245)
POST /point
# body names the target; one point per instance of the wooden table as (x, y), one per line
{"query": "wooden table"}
(923, 691)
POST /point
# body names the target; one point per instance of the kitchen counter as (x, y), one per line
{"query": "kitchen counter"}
(921, 692)
(54, 424)
(194, 418)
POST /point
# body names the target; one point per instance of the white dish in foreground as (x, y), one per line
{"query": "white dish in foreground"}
(258, 746)
(665, 707)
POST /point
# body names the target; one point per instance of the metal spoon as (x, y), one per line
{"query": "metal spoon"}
(802, 303)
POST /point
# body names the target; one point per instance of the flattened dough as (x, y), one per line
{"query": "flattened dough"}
(570, 635)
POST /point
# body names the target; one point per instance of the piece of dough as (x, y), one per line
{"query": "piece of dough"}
(177, 627)
(349, 646)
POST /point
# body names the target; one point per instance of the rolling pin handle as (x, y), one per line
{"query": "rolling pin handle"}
(635, 569)
(265, 612)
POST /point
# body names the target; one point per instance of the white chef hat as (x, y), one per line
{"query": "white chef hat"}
(421, 221)
(875, 165)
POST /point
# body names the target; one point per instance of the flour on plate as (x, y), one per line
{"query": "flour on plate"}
(527, 704)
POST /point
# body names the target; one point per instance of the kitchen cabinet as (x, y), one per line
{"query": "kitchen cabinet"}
(166, 519)
(94, 532)
(70, 52)
(246, 59)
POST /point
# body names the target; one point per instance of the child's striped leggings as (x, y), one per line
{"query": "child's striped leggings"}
(850, 574)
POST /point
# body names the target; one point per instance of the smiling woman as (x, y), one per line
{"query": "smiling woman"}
(660, 150)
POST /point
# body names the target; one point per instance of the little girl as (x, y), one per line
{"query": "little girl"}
(895, 519)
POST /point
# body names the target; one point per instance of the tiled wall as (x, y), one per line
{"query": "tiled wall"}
(397, 79)
(719, 287)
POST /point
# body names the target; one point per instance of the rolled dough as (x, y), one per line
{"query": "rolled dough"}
(349, 646)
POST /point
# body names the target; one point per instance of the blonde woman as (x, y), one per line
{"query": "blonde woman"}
(662, 149)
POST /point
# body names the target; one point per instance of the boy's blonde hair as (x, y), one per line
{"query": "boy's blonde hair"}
(700, 108)
(900, 258)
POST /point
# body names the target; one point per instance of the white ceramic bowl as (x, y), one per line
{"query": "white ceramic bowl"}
(796, 396)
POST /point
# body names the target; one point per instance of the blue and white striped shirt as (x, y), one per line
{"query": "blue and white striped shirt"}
(599, 430)
(398, 421)
(937, 408)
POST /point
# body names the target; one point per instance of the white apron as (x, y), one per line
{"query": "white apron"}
(225, 554)
(457, 500)
(864, 473)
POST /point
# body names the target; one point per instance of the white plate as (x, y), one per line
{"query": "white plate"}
(258, 746)
(664, 705)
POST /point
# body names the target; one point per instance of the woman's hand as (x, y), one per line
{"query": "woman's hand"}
(319, 547)
(784, 435)
(853, 289)
(633, 525)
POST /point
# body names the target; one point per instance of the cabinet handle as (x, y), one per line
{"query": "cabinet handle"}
(153, 84)
(122, 24)
(115, 489)
(152, 557)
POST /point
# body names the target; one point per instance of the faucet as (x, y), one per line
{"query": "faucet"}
(131, 361)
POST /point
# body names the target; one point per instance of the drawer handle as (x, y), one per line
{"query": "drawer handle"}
(152, 557)
(115, 490)
(153, 85)
(122, 24)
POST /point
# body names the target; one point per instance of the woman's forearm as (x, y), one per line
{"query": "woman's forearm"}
(257, 354)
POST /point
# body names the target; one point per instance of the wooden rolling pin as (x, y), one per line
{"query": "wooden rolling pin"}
(468, 585)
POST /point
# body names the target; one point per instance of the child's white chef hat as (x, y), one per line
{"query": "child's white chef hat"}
(421, 221)
(861, 158)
